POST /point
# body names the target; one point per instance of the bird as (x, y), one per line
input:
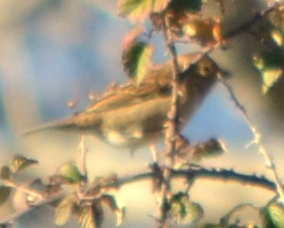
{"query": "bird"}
(135, 114)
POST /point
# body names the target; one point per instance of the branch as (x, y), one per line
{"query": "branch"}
(9, 221)
(247, 25)
(209, 174)
(21, 187)
(172, 129)
(191, 175)
(257, 140)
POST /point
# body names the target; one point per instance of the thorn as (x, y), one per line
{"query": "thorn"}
(249, 144)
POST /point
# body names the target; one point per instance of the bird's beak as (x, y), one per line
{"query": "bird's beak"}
(222, 74)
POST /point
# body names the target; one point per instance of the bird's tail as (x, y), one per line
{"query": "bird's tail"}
(61, 125)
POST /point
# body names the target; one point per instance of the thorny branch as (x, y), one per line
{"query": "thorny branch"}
(248, 25)
(172, 129)
(257, 135)
(257, 140)
(173, 115)
(191, 175)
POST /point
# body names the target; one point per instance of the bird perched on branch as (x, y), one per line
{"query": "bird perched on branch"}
(135, 114)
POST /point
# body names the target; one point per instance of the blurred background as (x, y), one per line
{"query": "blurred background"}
(56, 51)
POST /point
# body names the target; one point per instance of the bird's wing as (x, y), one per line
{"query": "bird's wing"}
(128, 96)
(157, 83)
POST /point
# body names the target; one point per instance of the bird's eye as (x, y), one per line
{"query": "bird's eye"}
(204, 70)
(165, 90)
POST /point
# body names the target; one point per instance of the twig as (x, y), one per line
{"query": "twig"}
(39, 204)
(224, 221)
(247, 25)
(257, 140)
(23, 188)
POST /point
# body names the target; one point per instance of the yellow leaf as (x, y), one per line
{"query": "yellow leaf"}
(269, 78)
(64, 210)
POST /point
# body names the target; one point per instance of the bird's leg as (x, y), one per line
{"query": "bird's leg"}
(154, 153)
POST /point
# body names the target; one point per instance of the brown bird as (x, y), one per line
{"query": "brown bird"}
(135, 114)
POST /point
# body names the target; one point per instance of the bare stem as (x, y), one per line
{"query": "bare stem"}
(83, 151)
(257, 140)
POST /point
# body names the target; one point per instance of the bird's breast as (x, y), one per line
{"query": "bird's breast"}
(133, 126)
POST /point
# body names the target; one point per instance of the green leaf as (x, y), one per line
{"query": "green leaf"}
(271, 66)
(64, 210)
(184, 210)
(269, 60)
(136, 59)
(194, 211)
(277, 36)
(270, 77)
(139, 10)
(192, 6)
(20, 162)
(178, 209)
(272, 216)
(5, 173)
(86, 217)
(71, 173)
(4, 193)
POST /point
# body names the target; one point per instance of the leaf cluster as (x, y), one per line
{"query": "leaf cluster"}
(270, 61)
(7, 173)
(182, 18)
